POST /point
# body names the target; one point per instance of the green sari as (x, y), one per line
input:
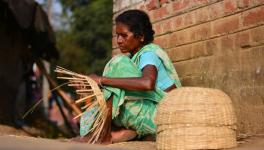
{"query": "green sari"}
(136, 109)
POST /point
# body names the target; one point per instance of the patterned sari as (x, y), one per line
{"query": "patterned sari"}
(136, 109)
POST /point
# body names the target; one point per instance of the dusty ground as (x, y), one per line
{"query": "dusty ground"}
(249, 143)
(14, 139)
(7, 130)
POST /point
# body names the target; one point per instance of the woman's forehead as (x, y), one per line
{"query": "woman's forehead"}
(121, 27)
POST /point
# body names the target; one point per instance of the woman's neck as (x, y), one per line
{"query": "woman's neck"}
(132, 53)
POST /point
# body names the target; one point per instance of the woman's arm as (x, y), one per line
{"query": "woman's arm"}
(144, 83)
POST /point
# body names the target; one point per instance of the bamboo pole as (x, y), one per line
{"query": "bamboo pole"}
(67, 123)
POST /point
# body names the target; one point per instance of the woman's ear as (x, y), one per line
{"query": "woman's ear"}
(142, 38)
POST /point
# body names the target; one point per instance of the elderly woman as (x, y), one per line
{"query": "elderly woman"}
(135, 83)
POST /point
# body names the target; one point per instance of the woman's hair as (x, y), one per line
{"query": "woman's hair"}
(139, 24)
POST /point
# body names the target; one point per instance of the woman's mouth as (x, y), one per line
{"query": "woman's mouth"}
(123, 50)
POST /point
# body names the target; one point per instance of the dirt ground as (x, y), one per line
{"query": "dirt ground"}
(14, 139)
(7, 130)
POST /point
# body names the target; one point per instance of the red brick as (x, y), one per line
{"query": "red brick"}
(249, 3)
(227, 45)
(199, 50)
(184, 37)
(213, 45)
(226, 25)
(185, 68)
(252, 58)
(230, 6)
(177, 22)
(242, 39)
(181, 5)
(163, 26)
(157, 28)
(180, 53)
(216, 10)
(113, 30)
(200, 32)
(164, 1)
(200, 2)
(188, 19)
(253, 16)
(243, 3)
(173, 39)
(179, 38)
(192, 67)
(114, 42)
(201, 15)
(152, 4)
(223, 64)
(160, 13)
(258, 35)
(142, 7)
(259, 1)
(167, 26)
(251, 94)
(115, 15)
(163, 41)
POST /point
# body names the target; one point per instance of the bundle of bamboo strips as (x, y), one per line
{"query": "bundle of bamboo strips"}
(91, 96)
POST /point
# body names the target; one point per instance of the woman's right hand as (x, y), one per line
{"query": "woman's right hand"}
(96, 78)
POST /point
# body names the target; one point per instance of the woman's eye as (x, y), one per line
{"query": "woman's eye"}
(124, 35)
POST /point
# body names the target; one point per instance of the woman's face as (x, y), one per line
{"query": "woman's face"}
(126, 40)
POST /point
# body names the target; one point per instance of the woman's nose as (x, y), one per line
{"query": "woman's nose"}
(119, 39)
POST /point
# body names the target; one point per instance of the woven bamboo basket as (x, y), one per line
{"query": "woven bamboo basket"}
(195, 118)
(90, 98)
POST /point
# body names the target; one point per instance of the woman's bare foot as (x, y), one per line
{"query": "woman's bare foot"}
(123, 135)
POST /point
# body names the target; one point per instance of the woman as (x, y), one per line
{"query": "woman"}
(134, 84)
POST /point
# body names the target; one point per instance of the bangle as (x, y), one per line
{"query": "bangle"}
(100, 84)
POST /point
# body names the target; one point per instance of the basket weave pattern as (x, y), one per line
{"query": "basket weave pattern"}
(90, 96)
(195, 118)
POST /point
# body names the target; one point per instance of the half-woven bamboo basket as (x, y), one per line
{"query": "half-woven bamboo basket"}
(90, 97)
(195, 118)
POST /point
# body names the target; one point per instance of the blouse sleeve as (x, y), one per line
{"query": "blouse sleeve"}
(149, 58)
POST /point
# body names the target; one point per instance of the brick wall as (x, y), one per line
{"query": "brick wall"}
(213, 43)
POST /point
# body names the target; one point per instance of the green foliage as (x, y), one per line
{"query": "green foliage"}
(73, 4)
(86, 46)
(71, 55)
